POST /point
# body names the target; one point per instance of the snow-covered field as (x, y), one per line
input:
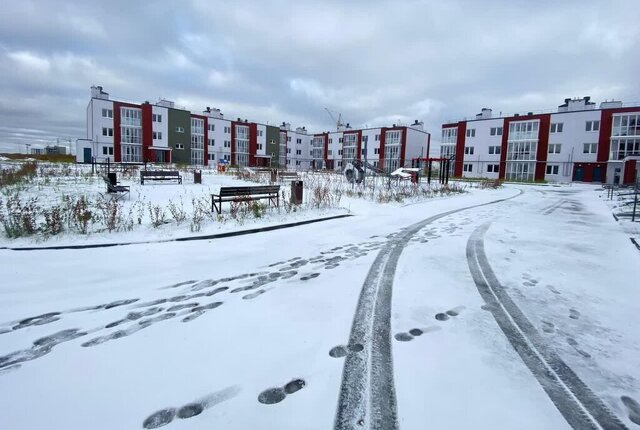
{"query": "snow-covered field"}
(509, 308)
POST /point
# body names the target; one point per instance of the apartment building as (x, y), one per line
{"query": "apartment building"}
(161, 132)
(578, 142)
(387, 148)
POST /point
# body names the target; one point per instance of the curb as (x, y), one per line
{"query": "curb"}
(179, 239)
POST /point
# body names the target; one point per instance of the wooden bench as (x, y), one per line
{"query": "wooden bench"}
(233, 194)
(160, 175)
(114, 188)
(283, 175)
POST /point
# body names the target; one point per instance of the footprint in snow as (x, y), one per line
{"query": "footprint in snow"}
(342, 350)
(275, 395)
(633, 407)
(548, 327)
(574, 314)
(165, 416)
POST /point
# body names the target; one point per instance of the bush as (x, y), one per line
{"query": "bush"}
(24, 173)
(177, 211)
(157, 215)
(82, 215)
(53, 221)
(19, 219)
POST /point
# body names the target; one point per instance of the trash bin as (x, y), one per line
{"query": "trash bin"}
(113, 178)
(197, 176)
(296, 192)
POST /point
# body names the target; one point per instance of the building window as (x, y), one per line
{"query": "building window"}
(377, 137)
(107, 150)
(227, 144)
(365, 139)
(330, 152)
(494, 149)
(107, 131)
(330, 140)
(156, 117)
(339, 163)
(375, 164)
(449, 135)
(554, 148)
(260, 146)
(589, 148)
(493, 168)
(626, 125)
(288, 138)
(288, 150)
(467, 167)
(107, 113)
(496, 131)
(212, 127)
(212, 157)
(259, 132)
(471, 132)
(227, 130)
(552, 169)
(298, 152)
(376, 151)
(179, 146)
(340, 140)
(298, 141)
(592, 126)
(227, 157)
(157, 135)
(212, 142)
(468, 150)
(339, 151)
(180, 129)
(556, 127)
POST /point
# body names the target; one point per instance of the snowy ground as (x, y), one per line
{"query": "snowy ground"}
(518, 314)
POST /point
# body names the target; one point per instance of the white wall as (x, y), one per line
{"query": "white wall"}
(96, 122)
(416, 145)
(161, 127)
(481, 159)
(219, 136)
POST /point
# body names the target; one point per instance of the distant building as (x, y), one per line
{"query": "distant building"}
(578, 142)
(55, 150)
(36, 150)
(163, 133)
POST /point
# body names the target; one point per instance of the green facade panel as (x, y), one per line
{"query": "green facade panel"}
(273, 146)
(180, 120)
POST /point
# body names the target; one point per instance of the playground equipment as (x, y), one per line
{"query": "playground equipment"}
(444, 164)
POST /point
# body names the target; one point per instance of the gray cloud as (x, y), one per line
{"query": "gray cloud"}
(376, 62)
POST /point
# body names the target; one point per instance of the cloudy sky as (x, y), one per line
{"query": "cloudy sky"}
(376, 62)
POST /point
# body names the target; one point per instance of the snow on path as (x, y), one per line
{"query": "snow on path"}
(263, 346)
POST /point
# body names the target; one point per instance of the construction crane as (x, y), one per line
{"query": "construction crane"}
(338, 122)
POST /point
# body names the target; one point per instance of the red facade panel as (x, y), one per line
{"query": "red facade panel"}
(606, 126)
(462, 133)
(629, 172)
(147, 133)
(383, 137)
(253, 143)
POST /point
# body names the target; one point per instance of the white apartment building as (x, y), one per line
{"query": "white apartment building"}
(578, 142)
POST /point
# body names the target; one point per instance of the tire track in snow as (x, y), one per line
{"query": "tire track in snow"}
(574, 399)
(367, 394)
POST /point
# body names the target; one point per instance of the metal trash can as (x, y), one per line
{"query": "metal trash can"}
(197, 176)
(296, 192)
